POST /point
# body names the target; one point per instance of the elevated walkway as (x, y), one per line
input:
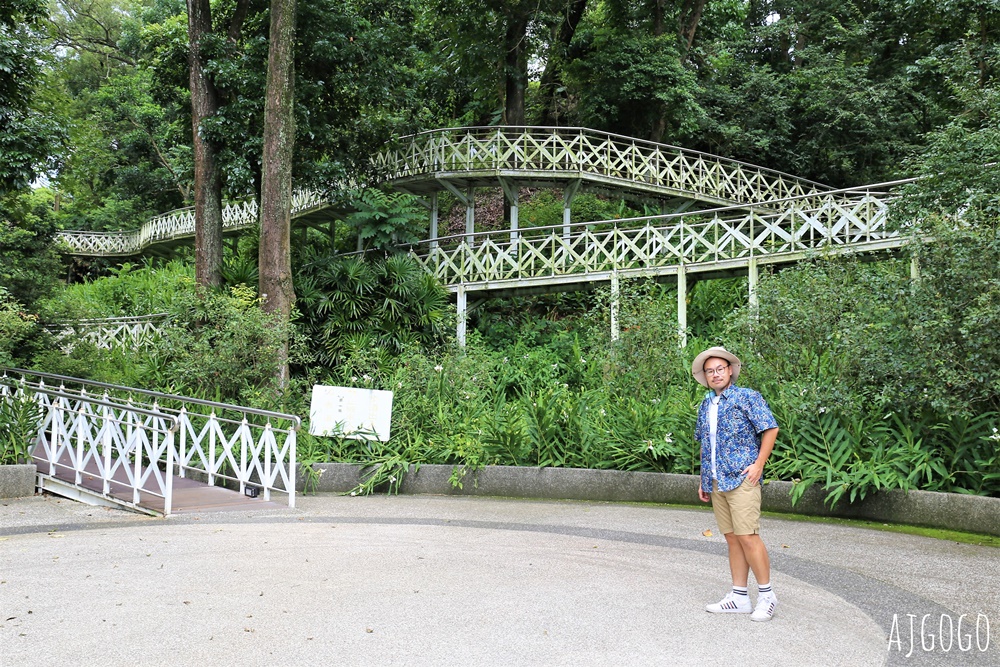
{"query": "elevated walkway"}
(460, 159)
(152, 452)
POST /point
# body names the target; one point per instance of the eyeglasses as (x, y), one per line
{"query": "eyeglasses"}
(714, 371)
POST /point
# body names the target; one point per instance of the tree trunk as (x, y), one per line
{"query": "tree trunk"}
(552, 76)
(515, 65)
(207, 177)
(275, 260)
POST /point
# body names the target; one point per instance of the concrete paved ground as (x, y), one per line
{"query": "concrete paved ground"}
(429, 580)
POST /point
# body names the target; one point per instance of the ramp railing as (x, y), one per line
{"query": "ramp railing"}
(118, 452)
(217, 443)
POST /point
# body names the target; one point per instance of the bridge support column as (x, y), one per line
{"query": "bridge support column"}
(569, 194)
(434, 220)
(752, 280)
(470, 217)
(615, 327)
(682, 316)
(914, 269)
(511, 191)
(462, 314)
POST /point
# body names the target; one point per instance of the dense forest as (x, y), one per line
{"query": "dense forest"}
(880, 378)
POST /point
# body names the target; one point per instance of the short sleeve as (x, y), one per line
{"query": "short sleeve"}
(758, 412)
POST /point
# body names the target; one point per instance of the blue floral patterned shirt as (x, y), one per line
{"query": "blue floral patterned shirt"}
(743, 416)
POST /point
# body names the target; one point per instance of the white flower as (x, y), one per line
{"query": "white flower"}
(439, 368)
(667, 439)
(603, 412)
(399, 385)
(822, 410)
(354, 493)
(354, 378)
(366, 377)
(582, 360)
(505, 360)
(555, 365)
(392, 479)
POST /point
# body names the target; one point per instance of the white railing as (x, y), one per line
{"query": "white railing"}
(122, 451)
(545, 153)
(174, 225)
(224, 443)
(707, 240)
(131, 333)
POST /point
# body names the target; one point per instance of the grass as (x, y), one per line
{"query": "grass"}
(957, 536)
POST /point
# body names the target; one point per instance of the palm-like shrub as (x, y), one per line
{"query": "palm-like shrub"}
(368, 309)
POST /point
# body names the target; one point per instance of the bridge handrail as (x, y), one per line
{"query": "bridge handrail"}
(495, 129)
(108, 447)
(158, 414)
(102, 320)
(867, 190)
(62, 379)
(237, 213)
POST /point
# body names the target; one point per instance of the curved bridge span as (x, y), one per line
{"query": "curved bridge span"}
(598, 161)
(718, 216)
(460, 159)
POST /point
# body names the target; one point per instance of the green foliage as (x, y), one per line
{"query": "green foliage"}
(153, 287)
(17, 330)
(19, 420)
(29, 263)
(358, 309)
(27, 138)
(221, 346)
(385, 219)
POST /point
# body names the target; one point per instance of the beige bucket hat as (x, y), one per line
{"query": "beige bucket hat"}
(698, 365)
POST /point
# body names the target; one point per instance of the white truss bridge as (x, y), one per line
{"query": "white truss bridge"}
(153, 452)
(718, 216)
(462, 158)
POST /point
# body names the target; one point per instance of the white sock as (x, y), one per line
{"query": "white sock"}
(765, 589)
(740, 590)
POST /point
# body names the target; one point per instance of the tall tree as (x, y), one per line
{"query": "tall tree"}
(274, 258)
(205, 102)
(551, 85)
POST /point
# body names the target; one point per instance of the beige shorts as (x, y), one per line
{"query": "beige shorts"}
(737, 511)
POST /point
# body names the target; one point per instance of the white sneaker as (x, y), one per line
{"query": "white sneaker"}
(766, 604)
(731, 604)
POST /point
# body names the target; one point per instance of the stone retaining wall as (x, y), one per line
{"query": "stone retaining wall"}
(17, 481)
(976, 514)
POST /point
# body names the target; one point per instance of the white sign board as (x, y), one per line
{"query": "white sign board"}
(351, 412)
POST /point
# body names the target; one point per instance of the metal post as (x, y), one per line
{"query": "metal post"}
(291, 467)
(168, 482)
(615, 332)
(461, 315)
(182, 456)
(682, 318)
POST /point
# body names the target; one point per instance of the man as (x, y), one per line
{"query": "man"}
(736, 431)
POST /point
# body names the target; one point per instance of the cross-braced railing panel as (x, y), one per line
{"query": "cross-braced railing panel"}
(177, 224)
(487, 260)
(130, 333)
(122, 451)
(634, 164)
(243, 445)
